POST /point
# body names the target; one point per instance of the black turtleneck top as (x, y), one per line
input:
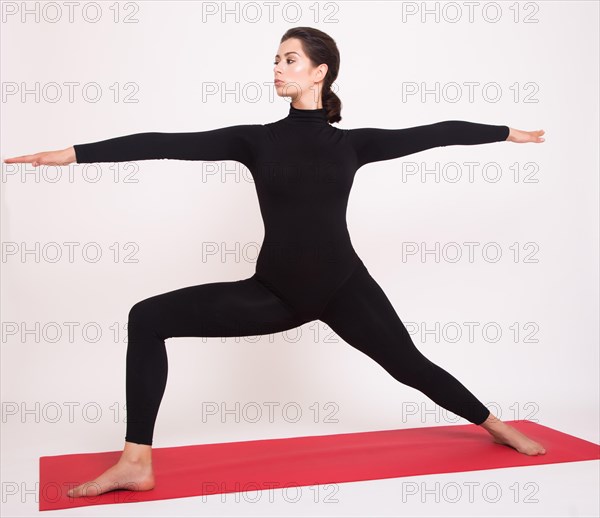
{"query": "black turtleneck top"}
(303, 170)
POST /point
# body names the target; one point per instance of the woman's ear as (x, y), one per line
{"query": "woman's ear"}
(321, 72)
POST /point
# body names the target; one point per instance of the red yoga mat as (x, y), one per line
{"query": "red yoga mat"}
(208, 469)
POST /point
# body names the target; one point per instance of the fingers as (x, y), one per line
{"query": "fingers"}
(539, 134)
(34, 160)
(536, 136)
(20, 159)
(24, 159)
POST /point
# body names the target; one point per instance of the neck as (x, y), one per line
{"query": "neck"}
(316, 115)
(305, 106)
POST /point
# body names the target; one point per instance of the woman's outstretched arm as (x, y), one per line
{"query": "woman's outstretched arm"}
(376, 144)
(229, 143)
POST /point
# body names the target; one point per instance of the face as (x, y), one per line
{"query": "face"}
(295, 75)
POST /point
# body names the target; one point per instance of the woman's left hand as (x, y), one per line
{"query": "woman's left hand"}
(521, 137)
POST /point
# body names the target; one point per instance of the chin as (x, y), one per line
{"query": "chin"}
(280, 91)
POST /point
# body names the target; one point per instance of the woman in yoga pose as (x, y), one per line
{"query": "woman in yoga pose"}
(307, 269)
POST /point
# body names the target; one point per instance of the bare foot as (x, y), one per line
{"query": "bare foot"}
(133, 471)
(510, 436)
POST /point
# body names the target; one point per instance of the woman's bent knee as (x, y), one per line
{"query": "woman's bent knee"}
(142, 319)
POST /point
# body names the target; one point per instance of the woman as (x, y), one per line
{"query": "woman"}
(307, 268)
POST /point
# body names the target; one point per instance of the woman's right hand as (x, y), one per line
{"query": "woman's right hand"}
(61, 157)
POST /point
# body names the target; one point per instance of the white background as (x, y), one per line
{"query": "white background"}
(177, 209)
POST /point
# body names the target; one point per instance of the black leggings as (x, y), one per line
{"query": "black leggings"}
(359, 312)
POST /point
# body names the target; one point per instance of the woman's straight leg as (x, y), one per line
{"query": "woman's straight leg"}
(362, 315)
(236, 308)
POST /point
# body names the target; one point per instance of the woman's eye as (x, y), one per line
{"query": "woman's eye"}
(288, 61)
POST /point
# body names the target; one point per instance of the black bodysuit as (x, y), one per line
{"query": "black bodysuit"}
(303, 169)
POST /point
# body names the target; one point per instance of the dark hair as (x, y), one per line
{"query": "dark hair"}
(321, 48)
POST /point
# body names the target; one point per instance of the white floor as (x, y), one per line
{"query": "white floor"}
(552, 490)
